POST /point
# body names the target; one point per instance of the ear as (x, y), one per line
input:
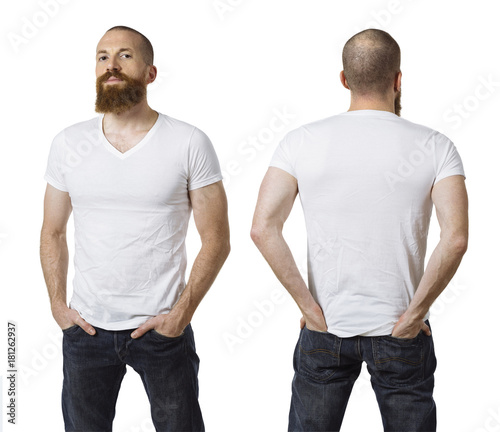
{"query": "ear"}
(397, 81)
(343, 80)
(152, 73)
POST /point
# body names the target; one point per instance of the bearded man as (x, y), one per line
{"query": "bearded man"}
(131, 177)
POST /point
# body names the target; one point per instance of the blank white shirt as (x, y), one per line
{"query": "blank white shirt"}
(364, 180)
(131, 212)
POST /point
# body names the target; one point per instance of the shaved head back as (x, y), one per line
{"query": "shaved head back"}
(371, 60)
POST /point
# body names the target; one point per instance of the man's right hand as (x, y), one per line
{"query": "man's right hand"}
(66, 318)
(314, 320)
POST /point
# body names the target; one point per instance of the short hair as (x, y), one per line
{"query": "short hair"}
(146, 47)
(371, 60)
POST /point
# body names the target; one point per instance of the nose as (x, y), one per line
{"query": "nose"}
(112, 65)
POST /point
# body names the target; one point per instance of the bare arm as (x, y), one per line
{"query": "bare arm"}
(276, 197)
(210, 215)
(450, 199)
(54, 257)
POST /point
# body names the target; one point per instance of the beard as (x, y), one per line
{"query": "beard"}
(118, 98)
(397, 104)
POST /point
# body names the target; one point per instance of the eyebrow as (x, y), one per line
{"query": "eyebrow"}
(103, 51)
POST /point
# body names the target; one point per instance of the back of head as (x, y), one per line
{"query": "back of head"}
(371, 60)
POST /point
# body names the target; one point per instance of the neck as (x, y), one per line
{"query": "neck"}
(141, 116)
(372, 103)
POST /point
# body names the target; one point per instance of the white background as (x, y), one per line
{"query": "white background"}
(227, 71)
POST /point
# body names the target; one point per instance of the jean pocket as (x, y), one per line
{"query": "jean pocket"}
(315, 331)
(399, 361)
(159, 336)
(400, 338)
(71, 329)
(317, 355)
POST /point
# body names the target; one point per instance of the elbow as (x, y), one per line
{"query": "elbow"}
(222, 247)
(256, 234)
(216, 244)
(457, 244)
(52, 234)
(226, 248)
(265, 230)
(460, 245)
(52, 230)
(260, 233)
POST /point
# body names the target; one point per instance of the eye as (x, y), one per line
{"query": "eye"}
(102, 58)
(126, 55)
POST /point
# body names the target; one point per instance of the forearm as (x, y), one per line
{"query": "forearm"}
(275, 250)
(441, 267)
(206, 266)
(54, 259)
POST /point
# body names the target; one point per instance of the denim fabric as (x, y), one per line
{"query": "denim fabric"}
(326, 367)
(94, 367)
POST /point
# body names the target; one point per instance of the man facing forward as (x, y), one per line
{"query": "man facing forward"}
(131, 192)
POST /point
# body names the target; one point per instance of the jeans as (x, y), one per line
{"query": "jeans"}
(94, 367)
(326, 367)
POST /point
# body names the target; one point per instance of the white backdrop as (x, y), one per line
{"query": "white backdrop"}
(239, 69)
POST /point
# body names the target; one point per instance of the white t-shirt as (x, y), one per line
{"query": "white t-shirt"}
(364, 180)
(131, 212)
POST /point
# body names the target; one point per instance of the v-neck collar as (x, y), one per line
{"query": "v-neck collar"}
(112, 149)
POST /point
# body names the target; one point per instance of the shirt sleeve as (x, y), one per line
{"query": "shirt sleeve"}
(284, 156)
(448, 160)
(54, 173)
(203, 165)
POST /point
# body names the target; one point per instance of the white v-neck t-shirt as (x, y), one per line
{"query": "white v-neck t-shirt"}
(131, 212)
(364, 180)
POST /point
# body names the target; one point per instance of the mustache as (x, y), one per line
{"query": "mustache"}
(116, 74)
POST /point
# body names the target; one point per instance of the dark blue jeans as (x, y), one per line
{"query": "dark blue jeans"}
(326, 367)
(94, 367)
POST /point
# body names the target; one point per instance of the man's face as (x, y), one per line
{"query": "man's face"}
(122, 75)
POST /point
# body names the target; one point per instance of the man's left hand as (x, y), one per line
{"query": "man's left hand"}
(408, 329)
(165, 324)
